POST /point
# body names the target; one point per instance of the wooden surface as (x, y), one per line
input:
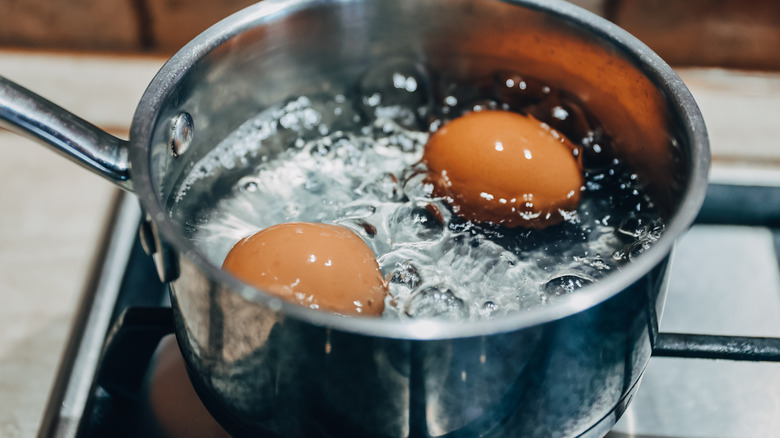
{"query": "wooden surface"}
(53, 211)
(51, 217)
(726, 33)
(741, 112)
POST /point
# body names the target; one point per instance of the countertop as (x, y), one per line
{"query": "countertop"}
(52, 215)
(53, 211)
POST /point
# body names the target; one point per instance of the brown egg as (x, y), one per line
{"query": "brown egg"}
(320, 266)
(504, 168)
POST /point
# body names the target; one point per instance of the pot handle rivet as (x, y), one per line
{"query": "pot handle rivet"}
(146, 236)
(181, 134)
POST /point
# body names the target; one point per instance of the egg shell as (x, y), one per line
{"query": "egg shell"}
(504, 168)
(320, 266)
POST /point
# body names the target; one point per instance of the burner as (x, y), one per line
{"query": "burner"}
(174, 406)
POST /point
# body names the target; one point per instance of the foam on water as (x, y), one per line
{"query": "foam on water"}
(354, 161)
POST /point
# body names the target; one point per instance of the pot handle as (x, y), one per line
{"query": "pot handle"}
(24, 112)
(694, 346)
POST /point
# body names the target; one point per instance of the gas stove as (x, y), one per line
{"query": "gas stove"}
(725, 281)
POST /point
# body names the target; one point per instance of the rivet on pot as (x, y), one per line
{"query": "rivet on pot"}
(181, 134)
(146, 235)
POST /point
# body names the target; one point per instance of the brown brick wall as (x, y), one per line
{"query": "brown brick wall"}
(109, 25)
(174, 22)
(729, 33)
(71, 24)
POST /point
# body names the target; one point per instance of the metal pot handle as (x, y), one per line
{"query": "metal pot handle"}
(26, 113)
(727, 204)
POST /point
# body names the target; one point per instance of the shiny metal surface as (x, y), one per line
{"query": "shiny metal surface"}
(181, 134)
(280, 376)
(76, 139)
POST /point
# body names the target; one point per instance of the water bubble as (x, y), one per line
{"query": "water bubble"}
(320, 148)
(565, 113)
(248, 184)
(298, 115)
(437, 301)
(397, 114)
(348, 150)
(292, 210)
(633, 227)
(386, 188)
(489, 309)
(356, 211)
(373, 100)
(314, 183)
(405, 277)
(394, 140)
(396, 89)
(484, 105)
(596, 262)
(404, 142)
(560, 113)
(596, 151)
(637, 249)
(418, 222)
(645, 241)
(288, 121)
(408, 83)
(565, 284)
(332, 115)
(518, 91)
(415, 183)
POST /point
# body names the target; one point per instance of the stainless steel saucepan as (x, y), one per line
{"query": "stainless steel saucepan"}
(269, 368)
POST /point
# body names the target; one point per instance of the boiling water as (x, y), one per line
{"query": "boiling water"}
(353, 160)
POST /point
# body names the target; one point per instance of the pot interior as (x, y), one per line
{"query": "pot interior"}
(276, 51)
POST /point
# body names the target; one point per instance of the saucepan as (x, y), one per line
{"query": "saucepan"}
(265, 367)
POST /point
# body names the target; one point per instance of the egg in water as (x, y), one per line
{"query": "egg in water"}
(320, 266)
(504, 168)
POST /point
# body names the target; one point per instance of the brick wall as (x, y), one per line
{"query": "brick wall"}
(109, 25)
(730, 33)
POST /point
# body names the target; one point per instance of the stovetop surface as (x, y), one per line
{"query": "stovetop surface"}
(735, 290)
(725, 280)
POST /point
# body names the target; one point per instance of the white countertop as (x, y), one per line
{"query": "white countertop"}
(53, 211)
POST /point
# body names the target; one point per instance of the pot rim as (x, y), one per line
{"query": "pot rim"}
(660, 73)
